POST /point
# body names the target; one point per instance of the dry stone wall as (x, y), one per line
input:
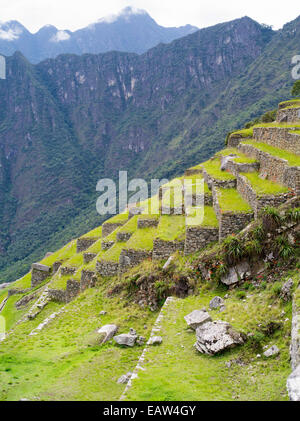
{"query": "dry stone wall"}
(277, 169)
(196, 238)
(108, 228)
(147, 222)
(229, 222)
(289, 115)
(258, 202)
(211, 181)
(84, 243)
(131, 257)
(107, 268)
(164, 249)
(280, 137)
(39, 273)
(88, 257)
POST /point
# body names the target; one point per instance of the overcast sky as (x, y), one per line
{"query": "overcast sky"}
(74, 14)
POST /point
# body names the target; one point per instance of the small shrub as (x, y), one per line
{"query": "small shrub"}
(241, 295)
(263, 285)
(234, 249)
(285, 250)
(276, 289)
(296, 88)
(271, 218)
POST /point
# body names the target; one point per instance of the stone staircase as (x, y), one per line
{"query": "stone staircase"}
(238, 182)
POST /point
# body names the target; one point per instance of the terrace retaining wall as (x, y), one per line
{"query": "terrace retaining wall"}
(258, 202)
(279, 137)
(196, 238)
(211, 181)
(277, 169)
(289, 115)
(107, 268)
(131, 257)
(84, 243)
(164, 249)
(108, 228)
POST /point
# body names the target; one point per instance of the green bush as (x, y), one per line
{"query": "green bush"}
(241, 295)
(296, 88)
(276, 289)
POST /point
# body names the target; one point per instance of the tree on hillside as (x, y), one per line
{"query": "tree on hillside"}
(296, 88)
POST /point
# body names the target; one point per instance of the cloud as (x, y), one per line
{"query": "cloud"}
(60, 36)
(10, 34)
(127, 12)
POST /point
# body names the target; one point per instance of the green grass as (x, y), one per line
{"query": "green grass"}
(291, 103)
(63, 254)
(59, 282)
(130, 226)
(113, 254)
(173, 197)
(244, 132)
(194, 180)
(142, 239)
(171, 228)
(63, 362)
(213, 169)
(95, 233)
(280, 125)
(206, 219)
(121, 218)
(264, 187)
(23, 283)
(175, 371)
(95, 248)
(241, 157)
(231, 201)
(75, 261)
(293, 160)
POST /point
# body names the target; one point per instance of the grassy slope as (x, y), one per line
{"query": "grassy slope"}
(169, 377)
(62, 362)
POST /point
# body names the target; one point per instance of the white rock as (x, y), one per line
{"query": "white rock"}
(271, 352)
(293, 385)
(108, 331)
(155, 340)
(197, 318)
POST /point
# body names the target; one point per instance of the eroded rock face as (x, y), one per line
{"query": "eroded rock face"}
(293, 385)
(197, 318)
(108, 331)
(215, 337)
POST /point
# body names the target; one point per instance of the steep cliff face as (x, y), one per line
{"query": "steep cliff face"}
(67, 122)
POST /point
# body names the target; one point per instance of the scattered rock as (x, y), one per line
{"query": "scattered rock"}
(155, 340)
(126, 339)
(40, 267)
(168, 263)
(216, 302)
(102, 313)
(2, 286)
(222, 308)
(108, 331)
(230, 278)
(197, 318)
(286, 290)
(271, 352)
(141, 340)
(132, 332)
(293, 385)
(214, 337)
(48, 254)
(125, 378)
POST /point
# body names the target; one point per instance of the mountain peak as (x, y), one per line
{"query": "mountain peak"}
(125, 13)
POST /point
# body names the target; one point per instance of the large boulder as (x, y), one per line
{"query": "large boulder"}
(107, 332)
(214, 337)
(155, 340)
(126, 339)
(293, 385)
(197, 318)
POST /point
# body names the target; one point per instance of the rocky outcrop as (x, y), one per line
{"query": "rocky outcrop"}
(215, 337)
(107, 332)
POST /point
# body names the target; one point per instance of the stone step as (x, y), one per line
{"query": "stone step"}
(253, 192)
(279, 137)
(276, 168)
(233, 212)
